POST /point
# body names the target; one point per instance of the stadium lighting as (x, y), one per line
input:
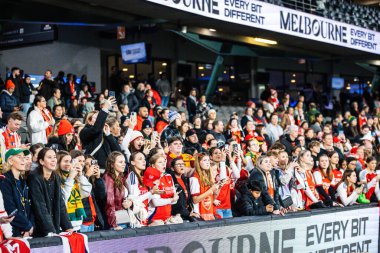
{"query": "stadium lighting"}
(201, 67)
(125, 69)
(270, 42)
(164, 64)
(293, 81)
(232, 77)
(131, 76)
(212, 30)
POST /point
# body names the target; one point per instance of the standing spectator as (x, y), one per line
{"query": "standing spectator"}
(55, 99)
(15, 192)
(172, 130)
(233, 131)
(203, 189)
(116, 191)
(8, 101)
(48, 205)
(203, 107)
(142, 115)
(128, 98)
(15, 80)
(149, 102)
(85, 92)
(69, 91)
(94, 134)
(248, 116)
(191, 104)
(40, 122)
(25, 93)
(274, 131)
(59, 80)
(140, 92)
(164, 88)
(156, 95)
(290, 139)
(192, 144)
(218, 128)
(162, 121)
(47, 85)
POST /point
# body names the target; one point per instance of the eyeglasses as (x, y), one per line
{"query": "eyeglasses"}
(180, 165)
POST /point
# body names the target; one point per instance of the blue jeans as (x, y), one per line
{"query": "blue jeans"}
(165, 101)
(224, 213)
(84, 228)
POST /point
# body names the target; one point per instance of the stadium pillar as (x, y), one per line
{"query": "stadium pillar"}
(216, 71)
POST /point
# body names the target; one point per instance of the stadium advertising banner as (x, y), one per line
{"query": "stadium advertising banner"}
(283, 20)
(338, 232)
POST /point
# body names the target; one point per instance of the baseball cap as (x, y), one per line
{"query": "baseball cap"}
(15, 151)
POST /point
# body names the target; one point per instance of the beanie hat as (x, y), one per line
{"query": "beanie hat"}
(146, 124)
(151, 175)
(350, 119)
(190, 132)
(10, 85)
(135, 135)
(65, 127)
(173, 115)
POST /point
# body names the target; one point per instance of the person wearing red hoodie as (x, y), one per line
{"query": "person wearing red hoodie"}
(142, 115)
(156, 95)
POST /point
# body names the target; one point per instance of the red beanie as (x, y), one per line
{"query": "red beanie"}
(10, 84)
(65, 127)
(151, 175)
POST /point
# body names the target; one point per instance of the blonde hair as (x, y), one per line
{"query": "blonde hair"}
(90, 115)
(204, 175)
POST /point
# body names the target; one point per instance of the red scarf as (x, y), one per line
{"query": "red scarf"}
(47, 117)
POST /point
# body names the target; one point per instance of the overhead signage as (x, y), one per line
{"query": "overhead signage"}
(282, 20)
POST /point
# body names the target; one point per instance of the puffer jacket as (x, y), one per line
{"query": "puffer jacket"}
(7, 103)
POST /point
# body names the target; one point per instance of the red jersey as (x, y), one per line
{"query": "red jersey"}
(11, 139)
(164, 212)
(338, 174)
(205, 208)
(224, 195)
(321, 180)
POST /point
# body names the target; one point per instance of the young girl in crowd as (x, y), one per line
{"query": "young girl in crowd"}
(48, 204)
(116, 192)
(93, 204)
(161, 210)
(252, 153)
(323, 177)
(203, 188)
(370, 179)
(305, 182)
(347, 193)
(233, 131)
(75, 186)
(335, 168)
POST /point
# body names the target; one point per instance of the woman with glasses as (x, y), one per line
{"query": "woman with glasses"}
(40, 122)
(15, 192)
(184, 205)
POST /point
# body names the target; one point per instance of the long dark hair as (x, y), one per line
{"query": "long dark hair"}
(346, 174)
(110, 169)
(41, 156)
(132, 167)
(328, 174)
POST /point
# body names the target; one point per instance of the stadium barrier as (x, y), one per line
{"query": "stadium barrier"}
(338, 230)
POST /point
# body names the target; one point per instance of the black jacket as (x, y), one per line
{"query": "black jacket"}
(46, 88)
(184, 205)
(169, 132)
(288, 143)
(98, 192)
(146, 103)
(50, 216)
(92, 136)
(25, 92)
(247, 205)
(130, 100)
(259, 175)
(13, 196)
(190, 148)
(191, 107)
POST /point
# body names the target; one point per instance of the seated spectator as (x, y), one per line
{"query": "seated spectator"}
(65, 140)
(347, 193)
(8, 101)
(250, 202)
(48, 205)
(40, 122)
(58, 113)
(290, 139)
(9, 138)
(85, 92)
(55, 99)
(15, 192)
(185, 126)
(370, 179)
(192, 144)
(218, 129)
(233, 131)
(323, 177)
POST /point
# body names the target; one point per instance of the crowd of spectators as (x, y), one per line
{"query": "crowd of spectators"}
(116, 160)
